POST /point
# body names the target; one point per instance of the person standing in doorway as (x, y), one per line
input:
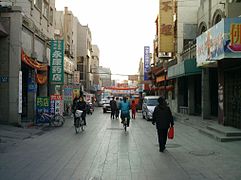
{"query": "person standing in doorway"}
(162, 117)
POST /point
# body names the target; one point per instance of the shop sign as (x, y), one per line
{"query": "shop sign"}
(146, 61)
(3, 79)
(57, 62)
(68, 93)
(221, 41)
(56, 104)
(166, 28)
(42, 105)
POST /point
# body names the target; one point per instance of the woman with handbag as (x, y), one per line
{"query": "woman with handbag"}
(162, 117)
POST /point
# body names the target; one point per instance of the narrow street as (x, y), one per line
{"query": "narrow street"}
(105, 152)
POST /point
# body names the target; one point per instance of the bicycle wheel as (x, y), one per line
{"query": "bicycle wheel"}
(58, 120)
(82, 124)
(77, 126)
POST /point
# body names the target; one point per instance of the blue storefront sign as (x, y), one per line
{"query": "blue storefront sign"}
(221, 41)
(146, 61)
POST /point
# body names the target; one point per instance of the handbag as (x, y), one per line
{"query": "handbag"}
(171, 133)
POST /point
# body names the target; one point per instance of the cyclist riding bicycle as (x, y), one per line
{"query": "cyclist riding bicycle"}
(125, 110)
(79, 104)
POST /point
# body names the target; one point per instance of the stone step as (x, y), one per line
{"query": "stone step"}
(225, 130)
(218, 136)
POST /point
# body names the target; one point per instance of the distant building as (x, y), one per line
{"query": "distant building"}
(105, 76)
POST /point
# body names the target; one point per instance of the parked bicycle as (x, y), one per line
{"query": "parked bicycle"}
(56, 120)
(79, 122)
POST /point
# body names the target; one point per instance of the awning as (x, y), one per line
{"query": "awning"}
(33, 64)
(184, 68)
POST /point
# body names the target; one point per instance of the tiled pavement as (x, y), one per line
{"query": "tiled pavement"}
(105, 152)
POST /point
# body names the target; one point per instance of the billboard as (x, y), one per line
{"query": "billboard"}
(146, 61)
(221, 41)
(165, 26)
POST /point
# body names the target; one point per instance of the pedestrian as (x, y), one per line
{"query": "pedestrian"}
(133, 109)
(113, 108)
(117, 112)
(162, 117)
(81, 105)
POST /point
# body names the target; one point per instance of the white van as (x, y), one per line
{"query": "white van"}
(148, 106)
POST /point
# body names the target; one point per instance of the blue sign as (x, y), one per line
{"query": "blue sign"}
(146, 61)
(42, 106)
(3, 79)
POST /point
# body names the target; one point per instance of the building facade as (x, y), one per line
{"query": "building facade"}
(24, 58)
(84, 54)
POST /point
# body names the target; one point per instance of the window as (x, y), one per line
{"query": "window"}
(38, 4)
(45, 9)
(51, 16)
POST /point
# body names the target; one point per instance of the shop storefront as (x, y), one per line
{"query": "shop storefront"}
(221, 44)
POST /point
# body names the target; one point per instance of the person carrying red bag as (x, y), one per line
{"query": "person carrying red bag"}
(162, 117)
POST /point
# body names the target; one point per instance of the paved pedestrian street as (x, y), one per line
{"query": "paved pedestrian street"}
(105, 152)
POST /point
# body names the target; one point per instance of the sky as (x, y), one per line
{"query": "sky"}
(120, 28)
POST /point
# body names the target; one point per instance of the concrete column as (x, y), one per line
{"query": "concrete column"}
(15, 38)
(206, 104)
(191, 94)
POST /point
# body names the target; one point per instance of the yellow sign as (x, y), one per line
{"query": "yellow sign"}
(166, 26)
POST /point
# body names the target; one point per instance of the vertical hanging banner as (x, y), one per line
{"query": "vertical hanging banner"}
(57, 62)
(146, 62)
(165, 26)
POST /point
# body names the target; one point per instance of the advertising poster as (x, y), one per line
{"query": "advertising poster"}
(56, 104)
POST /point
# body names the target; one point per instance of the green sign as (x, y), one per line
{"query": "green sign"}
(57, 62)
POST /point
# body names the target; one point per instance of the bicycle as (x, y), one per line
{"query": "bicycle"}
(124, 121)
(79, 122)
(54, 120)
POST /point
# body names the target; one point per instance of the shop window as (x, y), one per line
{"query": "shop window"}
(45, 9)
(38, 4)
(51, 16)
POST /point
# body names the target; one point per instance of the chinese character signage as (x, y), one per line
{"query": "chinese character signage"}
(42, 105)
(146, 61)
(56, 104)
(223, 40)
(165, 26)
(57, 62)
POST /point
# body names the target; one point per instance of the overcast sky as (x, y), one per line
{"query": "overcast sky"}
(120, 28)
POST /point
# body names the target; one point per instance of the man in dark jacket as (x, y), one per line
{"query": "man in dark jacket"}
(113, 108)
(163, 119)
(81, 105)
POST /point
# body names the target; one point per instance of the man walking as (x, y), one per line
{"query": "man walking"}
(163, 119)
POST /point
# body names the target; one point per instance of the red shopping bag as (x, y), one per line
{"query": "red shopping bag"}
(171, 133)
